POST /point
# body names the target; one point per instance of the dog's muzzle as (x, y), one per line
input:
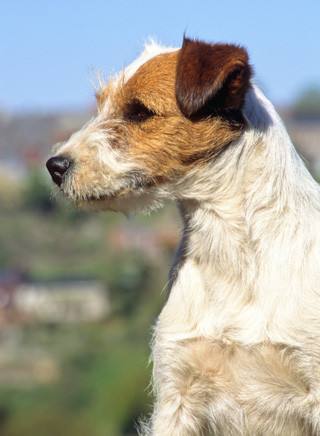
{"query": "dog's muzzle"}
(57, 167)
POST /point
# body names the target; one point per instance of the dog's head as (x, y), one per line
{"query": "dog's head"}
(163, 117)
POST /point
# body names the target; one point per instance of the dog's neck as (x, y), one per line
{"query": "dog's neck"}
(244, 241)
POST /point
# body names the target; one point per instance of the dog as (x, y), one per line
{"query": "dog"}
(236, 349)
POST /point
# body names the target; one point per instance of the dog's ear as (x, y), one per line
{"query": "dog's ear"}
(211, 78)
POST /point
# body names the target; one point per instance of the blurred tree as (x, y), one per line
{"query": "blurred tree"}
(131, 281)
(37, 192)
(307, 104)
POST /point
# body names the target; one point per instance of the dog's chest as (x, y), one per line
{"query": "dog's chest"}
(255, 385)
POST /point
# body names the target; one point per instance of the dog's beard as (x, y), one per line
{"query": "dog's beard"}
(135, 192)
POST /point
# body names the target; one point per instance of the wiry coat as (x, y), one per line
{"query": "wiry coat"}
(237, 345)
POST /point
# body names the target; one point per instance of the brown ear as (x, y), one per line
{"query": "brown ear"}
(211, 78)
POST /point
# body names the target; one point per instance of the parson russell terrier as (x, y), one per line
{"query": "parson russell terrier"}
(237, 345)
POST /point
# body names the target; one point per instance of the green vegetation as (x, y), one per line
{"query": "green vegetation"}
(99, 388)
(78, 379)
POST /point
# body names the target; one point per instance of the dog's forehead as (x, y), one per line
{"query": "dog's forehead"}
(153, 69)
(151, 50)
(153, 79)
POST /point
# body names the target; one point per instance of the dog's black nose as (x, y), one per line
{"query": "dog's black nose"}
(57, 166)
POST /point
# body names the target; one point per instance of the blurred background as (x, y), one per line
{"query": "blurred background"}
(80, 291)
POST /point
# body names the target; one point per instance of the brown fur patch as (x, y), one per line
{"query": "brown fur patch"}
(217, 73)
(167, 143)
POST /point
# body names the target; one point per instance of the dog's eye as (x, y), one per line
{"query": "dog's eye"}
(138, 112)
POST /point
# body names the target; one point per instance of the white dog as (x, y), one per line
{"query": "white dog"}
(237, 344)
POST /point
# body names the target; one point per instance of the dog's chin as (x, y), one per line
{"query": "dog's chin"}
(97, 205)
(126, 201)
(105, 202)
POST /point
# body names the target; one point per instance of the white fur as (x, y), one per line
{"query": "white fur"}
(252, 269)
(264, 237)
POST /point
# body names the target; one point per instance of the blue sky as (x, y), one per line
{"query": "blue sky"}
(49, 47)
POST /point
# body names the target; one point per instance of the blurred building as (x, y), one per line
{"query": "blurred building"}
(67, 301)
(63, 301)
